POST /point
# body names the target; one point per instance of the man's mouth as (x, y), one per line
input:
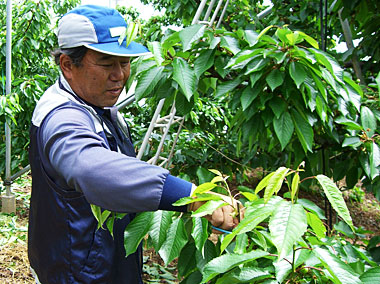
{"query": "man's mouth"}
(115, 90)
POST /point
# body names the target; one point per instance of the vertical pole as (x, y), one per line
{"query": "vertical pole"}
(209, 9)
(323, 21)
(222, 15)
(322, 24)
(150, 129)
(198, 13)
(8, 201)
(215, 12)
(325, 25)
(325, 48)
(166, 131)
(350, 45)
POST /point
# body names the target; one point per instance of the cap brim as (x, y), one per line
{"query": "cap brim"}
(113, 48)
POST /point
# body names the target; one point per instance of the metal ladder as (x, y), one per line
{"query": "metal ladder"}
(165, 122)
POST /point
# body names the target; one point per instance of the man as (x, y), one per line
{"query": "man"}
(81, 153)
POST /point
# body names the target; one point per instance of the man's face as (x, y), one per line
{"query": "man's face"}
(100, 78)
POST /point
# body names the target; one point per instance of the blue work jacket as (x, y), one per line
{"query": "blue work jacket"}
(78, 158)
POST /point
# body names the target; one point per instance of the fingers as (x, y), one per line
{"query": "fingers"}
(195, 205)
(222, 218)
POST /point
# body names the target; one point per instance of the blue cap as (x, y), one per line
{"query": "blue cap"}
(97, 28)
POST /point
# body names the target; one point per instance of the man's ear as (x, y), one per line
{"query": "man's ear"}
(66, 66)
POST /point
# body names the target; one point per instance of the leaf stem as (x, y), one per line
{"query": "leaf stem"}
(294, 260)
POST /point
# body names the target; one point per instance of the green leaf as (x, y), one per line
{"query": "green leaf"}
(316, 224)
(284, 128)
(278, 106)
(283, 267)
(263, 183)
(253, 78)
(330, 63)
(200, 197)
(136, 231)
(304, 131)
(371, 276)
(275, 79)
(368, 121)
(309, 39)
(282, 33)
(203, 62)
(230, 43)
(172, 40)
(251, 219)
(297, 72)
(105, 215)
(226, 262)
(210, 251)
(352, 125)
(216, 172)
(176, 239)
(351, 141)
(248, 95)
(364, 161)
(226, 87)
(340, 272)
(208, 208)
(241, 244)
(275, 183)
(292, 38)
(295, 185)
(217, 179)
(191, 34)
(245, 275)
(186, 260)
(312, 207)
(147, 81)
(109, 223)
(132, 30)
(378, 81)
(250, 196)
(335, 197)
(241, 59)
(184, 76)
(208, 186)
(156, 48)
(256, 65)
(100, 216)
(364, 255)
(97, 212)
(251, 37)
(374, 160)
(264, 31)
(287, 225)
(204, 175)
(200, 232)
(161, 221)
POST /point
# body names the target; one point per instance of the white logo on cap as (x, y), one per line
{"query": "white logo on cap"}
(117, 31)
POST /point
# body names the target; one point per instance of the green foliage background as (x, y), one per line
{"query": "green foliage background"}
(255, 93)
(237, 116)
(278, 98)
(33, 69)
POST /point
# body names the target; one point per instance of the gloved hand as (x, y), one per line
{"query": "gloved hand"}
(224, 217)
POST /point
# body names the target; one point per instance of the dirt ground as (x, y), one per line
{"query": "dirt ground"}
(14, 266)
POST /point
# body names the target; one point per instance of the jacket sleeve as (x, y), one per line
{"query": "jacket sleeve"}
(79, 159)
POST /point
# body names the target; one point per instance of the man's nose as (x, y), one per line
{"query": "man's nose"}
(117, 73)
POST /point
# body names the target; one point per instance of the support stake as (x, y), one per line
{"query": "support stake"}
(8, 203)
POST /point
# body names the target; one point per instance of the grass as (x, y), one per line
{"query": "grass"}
(14, 264)
(14, 227)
